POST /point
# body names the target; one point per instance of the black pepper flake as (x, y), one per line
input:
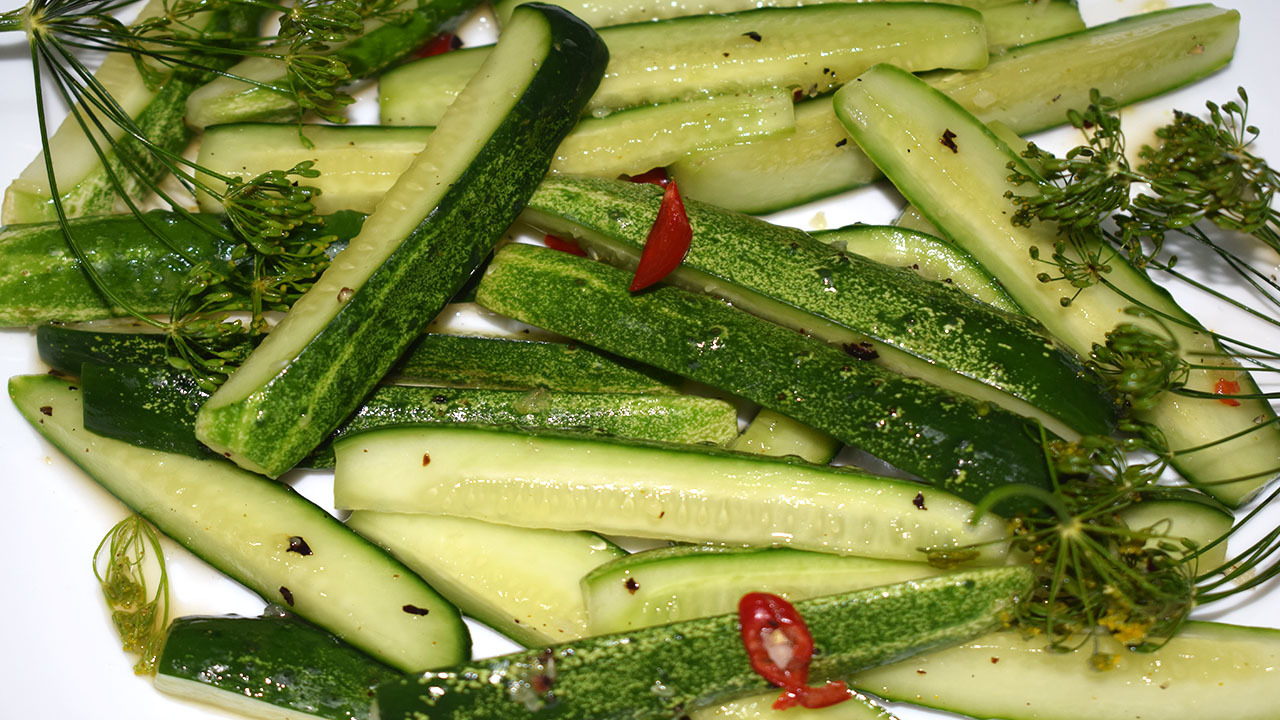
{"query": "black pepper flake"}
(995, 660)
(631, 585)
(47, 410)
(949, 140)
(426, 459)
(345, 294)
(439, 399)
(287, 594)
(415, 610)
(753, 35)
(726, 54)
(920, 672)
(298, 545)
(842, 142)
(919, 501)
(862, 350)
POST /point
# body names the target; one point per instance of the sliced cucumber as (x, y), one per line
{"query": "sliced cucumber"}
(522, 582)
(771, 433)
(668, 585)
(760, 707)
(428, 234)
(250, 90)
(276, 667)
(262, 534)
(1231, 451)
(1029, 88)
(663, 672)
(897, 320)
(929, 256)
(635, 489)
(811, 49)
(1208, 671)
(619, 12)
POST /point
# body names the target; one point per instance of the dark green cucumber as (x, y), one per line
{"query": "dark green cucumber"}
(155, 407)
(380, 44)
(1231, 450)
(262, 534)
(1208, 671)
(1029, 88)
(414, 252)
(631, 488)
(87, 183)
(960, 444)
(813, 49)
(271, 666)
(898, 320)
(522, 582)
(928, 255)
(41, 281)
(660, 673)
(684, 582)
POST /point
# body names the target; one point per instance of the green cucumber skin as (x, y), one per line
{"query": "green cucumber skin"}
(666, 671)
(66, 348)
(241, 524)
(965, 447)
(1028, 88)
(281, 662)
(775, 271)
(155, 407)
(41, 281)
(286, 418)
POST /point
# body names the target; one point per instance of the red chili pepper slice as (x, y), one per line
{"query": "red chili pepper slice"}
(1227, 387)
(667, 244)
(559, 243)
(656, 176)
(439, 45)
(780, 649)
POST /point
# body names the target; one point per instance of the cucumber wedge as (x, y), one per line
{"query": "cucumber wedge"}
(250, 528)
(771, 433)
(620, 12)
(629, 488)
(427, 236)
(955, 442)
(699, 663)
(1231, 451)
(910, 326)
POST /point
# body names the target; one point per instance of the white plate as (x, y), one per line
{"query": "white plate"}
(61, 658)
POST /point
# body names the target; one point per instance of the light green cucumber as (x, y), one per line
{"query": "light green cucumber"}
(1230, 451)
(760, 707)
(275, 666)
(427, 236)
(668, 585)
(262, 534)
(965, 446)
(1029, 88)
(522, 582)
(929, 256)
(256, 88)
(811, 50)
(628, 488)
(1208, 671)
(90, 175)
(880, 314)
(772, 433)
(700, 663)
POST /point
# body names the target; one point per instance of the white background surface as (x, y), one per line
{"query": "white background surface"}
(59, 656)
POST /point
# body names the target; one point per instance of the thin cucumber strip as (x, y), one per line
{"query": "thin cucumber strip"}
(760, 707)
(632, 489)
(963, 193)
(247, 92)
(620, 12)
(268, 667)
(1029, 88)
(522, 582)
(962, 445)
(772, 433)
(699, 663)
(679, 583)
(42, 281)
(811, 49)
(929, 256)
(885, 315)
(262, 534)
(155, 407)
(414, 252)
(1208, 671)
(1019, 23)
(83, 177)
